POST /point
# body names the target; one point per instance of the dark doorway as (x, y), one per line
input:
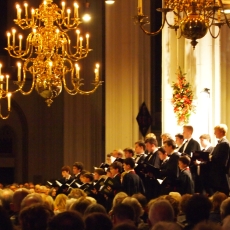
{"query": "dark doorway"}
(6, 176)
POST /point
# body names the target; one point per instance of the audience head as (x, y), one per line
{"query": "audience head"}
(98, 221)
(77, 193)
(119, 197)
(35, 217)
(6, 198)
(184, 202)
(129, 225)
(225, 208)
(80, 205)
(18, 196)
(68, 220)
(198, 209)
(175, 204)
(166, 226)
(226, 223)
(5, 222)
(122, 213)
(33, 198)
(95, 208)
(138, 210)
(160, 210)
(207, 225)
(60, 202)
(217, 199)
(141, 199)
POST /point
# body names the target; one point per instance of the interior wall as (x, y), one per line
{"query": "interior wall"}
(127, 74)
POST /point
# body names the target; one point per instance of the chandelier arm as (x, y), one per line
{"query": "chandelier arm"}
(4, 117)
(226, 19)
(214, 36)
(97, 84)
(156, 32)
(22, 83)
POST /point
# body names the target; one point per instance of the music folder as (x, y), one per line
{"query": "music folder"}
(200, 156)
(147, 168)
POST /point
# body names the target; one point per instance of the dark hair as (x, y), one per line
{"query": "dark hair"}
(88, 175)
(98, 221)
(99, 171)
(130, 150)
(68, 220)
(95, 208)
(66, 168)
(126, 226)
(185, 160)
(79, 165)
(141, 144)
(170, 142)
(35, 217)
(152, 141)
(116, 165)
(179, 135)
(198, 209)
(81, 205)
(5, 221)
(123, 212)
(129, 161)
(206, 137)
(161, 149)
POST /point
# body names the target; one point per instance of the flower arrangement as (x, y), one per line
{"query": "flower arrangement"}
(182, 99)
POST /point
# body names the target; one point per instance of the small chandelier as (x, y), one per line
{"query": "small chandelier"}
(48, 57)
(4, 93)
(192, 18)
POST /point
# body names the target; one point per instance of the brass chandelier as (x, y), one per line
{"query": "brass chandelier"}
(48, 57)
(192, 18)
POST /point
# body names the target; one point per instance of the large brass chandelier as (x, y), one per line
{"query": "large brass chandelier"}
(48, 57)
(192, 18)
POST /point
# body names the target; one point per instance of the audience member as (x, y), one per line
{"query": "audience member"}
(94, 208)
(30, 199)
(160, 210)
(216, 199)
(98, 221)
(197, 209)
(225, 208)
(5, 223)
(35, 217)
(122, 213)
(68, 220)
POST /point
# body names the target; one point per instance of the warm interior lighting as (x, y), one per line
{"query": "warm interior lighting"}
(192, 18)
(48, 56)
(4, 93)
(109, 2)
